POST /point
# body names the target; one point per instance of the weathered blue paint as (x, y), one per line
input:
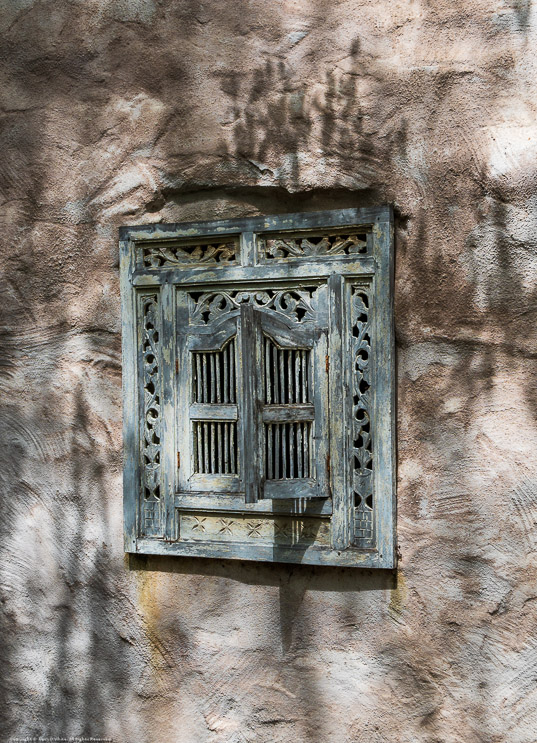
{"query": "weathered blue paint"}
(286, 280)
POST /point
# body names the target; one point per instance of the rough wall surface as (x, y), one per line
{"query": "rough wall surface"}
(130, 111)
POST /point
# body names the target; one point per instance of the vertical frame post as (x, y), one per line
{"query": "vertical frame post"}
(384, 392)
(168, 407)
(131, 470)
(250, 364)
(340, 410)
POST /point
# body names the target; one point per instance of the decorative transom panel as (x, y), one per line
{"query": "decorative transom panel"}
(258, 388)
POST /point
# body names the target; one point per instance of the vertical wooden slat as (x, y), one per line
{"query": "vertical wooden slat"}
(289, 377)
(195, 445)
(205, 447)
(282, 376)
(284, 450)
(304, 376)
(274, 356)
(304, 430)
(229, 428)
(226, 449)
(200, 444)
(277, 453)
(225, 379)
(270, 454)
(207, 431)
(232, 376)
(307, 435)
(232, 368)
(268, 392)
(213, 377)
(198, 466)
(204, 377)
(220, 441)
(298, 447)
(232, 450)
(297, 376)
(305, 445)
(218, 377)
(292, 449)
(274, 373)
(213, 448)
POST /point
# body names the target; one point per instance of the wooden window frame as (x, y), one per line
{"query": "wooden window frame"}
(158, 260)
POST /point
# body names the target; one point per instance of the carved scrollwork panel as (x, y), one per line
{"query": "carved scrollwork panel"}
(362, 446)
(288, 248)
(151, 417)
(298, 305)
(162, 255)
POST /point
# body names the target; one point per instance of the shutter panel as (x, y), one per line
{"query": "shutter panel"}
(253, 370)
(208, 395)
(294, 396)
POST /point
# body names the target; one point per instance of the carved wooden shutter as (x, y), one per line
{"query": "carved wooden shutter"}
(208, 394)
(258, 374)
(293, 395)
(253, 394)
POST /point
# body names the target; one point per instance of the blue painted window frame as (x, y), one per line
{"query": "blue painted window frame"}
(159, 260)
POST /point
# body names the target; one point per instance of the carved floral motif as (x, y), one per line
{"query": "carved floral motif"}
(254, 528)
(226, 526)
(158, 256)
(198, 523)
(311, 247)
(296, 304)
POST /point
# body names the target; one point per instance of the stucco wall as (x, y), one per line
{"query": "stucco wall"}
(124, 112)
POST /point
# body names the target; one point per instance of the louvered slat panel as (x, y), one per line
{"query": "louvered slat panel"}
(214, 375)
(287, 447)
(215, 447)
(286, 375)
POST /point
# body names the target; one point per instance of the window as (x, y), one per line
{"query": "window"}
(258, 388)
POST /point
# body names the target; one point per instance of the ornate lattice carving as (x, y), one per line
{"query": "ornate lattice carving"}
(310, 247)
(151, 433)
(158, 256)
(269, 530)
(296, 304)
(362, 440)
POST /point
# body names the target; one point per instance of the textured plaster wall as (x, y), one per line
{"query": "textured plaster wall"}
(124, 112)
